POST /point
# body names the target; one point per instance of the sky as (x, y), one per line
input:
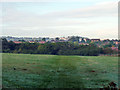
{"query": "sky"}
(59, 18)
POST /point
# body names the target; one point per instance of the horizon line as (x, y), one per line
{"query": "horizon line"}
(57, 36)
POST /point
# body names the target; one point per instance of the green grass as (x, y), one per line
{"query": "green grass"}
(52, 71)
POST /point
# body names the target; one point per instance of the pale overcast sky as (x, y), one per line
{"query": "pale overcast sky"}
(88, 18)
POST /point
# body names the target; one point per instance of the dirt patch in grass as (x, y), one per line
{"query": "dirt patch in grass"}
(92, 71)
(24, 69)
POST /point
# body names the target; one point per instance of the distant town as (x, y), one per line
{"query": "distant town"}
(73, 39)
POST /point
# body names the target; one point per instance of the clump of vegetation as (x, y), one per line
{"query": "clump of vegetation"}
(111, 85)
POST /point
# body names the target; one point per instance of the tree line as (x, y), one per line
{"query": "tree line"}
(58, 48)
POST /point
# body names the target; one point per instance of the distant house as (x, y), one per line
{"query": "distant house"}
(31, 42)
(63, 38)
(85, 39)
(116, 42)
(95, 40)
(48, 39)
(114, 48)
(42, 42)
(52, 41)
(80, 39)
(83, 44)
(17, 42)
(105, 43)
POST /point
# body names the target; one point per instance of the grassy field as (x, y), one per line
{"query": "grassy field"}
(51, 71)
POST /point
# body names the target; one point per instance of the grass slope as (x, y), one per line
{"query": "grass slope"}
(51, 71)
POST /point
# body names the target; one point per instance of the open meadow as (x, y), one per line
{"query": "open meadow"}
(53, 71)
